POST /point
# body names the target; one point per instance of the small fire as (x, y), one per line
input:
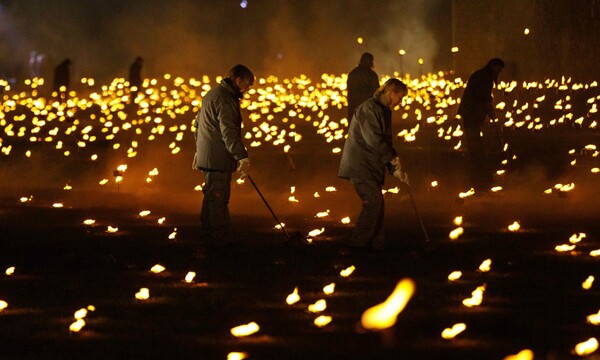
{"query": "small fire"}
(3, 305)
(157, 269)
(293, 297)
(173, 235)
(434, 184)
(595, 253)
(81, 313)
(111, 229)
(458, 220)
(514, 227)
(161, 220)
(451, 333)
(455, 275)
(330, 189)
(564, 247)
(10, 271)
(476, 297)
(466, 194)
(237, 356)
(485, 265)
(77, 325)
(89, 222)
(316, 232)
(576, 238)
(496, 189)
(383, 316)
(57, 205)
(144, 213)
(345, 220)
(189, 277)
(587, 284)
(143, 294)
(521, 355)
(245, 330)
(347, 271)
(587, 347)
(456, 233)
(25, 199)
(329, 289)
(292, 199)
(594, 319)
(322, 214)
(318, 306)
(322, 320)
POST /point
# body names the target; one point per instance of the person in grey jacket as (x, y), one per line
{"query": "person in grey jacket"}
(362, 83)
(220, 151)
(476, 104)
(368, 150)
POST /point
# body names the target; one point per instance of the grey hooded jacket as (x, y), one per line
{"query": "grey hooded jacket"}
(219, 129)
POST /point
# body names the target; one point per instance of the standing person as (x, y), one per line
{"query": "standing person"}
(367, 152)
(220, 151)
(477, 103)
(362, 83)
(61, 76)
(135, 73)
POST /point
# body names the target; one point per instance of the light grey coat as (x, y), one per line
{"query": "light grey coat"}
(219, 130)
(368, 148)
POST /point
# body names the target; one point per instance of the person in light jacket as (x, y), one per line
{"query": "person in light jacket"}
(367, 152)
(220, 151)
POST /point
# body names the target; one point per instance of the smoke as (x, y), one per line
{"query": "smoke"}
(193, 38)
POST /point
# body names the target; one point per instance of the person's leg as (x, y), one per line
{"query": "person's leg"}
(215, 207)
(369, 225)
(476, 166)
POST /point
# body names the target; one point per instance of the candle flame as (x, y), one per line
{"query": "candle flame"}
(77, 325)
(384, 315)
(10, 271)
(576, 238)
(3, 305)
(456, 233)
(594, 319)
(587, 347)
(476, 297)
(329, 289)
(189, 277)
(564, 247)
(237, 356)
(293, 297)
(347, 271)
(318, 306)
(322, 320)
(525, 354)
(345, 220)
(143, 294)
(245, 330)
(157, 269)
(587, 284)
(514, 227)
(458, 220)
(455, 275)
(450, 333)
(485, 265)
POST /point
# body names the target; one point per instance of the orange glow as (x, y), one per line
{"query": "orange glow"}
(451, 333)
(384, 315)
(245, 330)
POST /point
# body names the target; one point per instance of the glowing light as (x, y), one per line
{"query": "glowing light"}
(514, 227)
(595, 253)
(594, 319)
(173, 235)
(485, 265)
(322, 320)
(237, 356)
(89, 222)
(587, 347)
(384, 315)
(292, 199)
(576, 238)
(330, 189)
(144, 213)
(143, 294)
(345, 220)
(318, 306)
(81, 313)
(347, 271)
(466, 194)
(564, 247)
(322, 214)
(454, 49)
(525, 354)
(245, 330)
(10, 271)
(359, 40)
(451, 333)
(157, 269)
(476, 297)
(189, 277)
(496, 189)
(3, 305)
(329, 289)
(77, 325)
(316, 232)
(293, 297)
(57, 205)
(455, 275)
(526, 31)
(458, 220)
(587, 284)
(111, 229)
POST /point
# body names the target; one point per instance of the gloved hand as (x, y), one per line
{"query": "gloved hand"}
(402, 176)
(243, 166)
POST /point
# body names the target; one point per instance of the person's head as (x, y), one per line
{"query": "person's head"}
(367, 59)
(241, 77)
(139, 60)
(391, 93)
(496, 65)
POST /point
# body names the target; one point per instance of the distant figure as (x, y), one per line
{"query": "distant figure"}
(477, 103)
(362, 83)
(367, 152)
(220, 152)
(135, 73)
(61, 76)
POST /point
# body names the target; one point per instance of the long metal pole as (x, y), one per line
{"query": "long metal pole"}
(269, 207)
(414, 204)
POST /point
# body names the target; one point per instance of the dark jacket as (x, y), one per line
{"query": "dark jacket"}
(476, 101)
(368, 147)
(362, 83)
(219, 129)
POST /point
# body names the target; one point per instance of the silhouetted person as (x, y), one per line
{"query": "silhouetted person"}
(362, 83)
(61, 76)
(135, 73)
(368, 150)
(220, 151)
(477, 103)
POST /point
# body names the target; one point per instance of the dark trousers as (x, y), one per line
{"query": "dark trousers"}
(214, 217)
(369, 230)
(478, 166)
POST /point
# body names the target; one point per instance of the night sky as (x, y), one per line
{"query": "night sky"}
(191, 38)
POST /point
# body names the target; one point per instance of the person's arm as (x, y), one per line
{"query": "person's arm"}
(230, 125)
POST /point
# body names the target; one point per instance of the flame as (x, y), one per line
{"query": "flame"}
(450, 333)
(514, 227)
(347, 271)
(345, 220)
(329, 289)
(587, 284)
(77, 325)
(144, 213)
(322, 320)
(434, 183)
(595, 253)
(245, 330)
(143, 294)
(330, 189)
(318, 306)
(10, 271)
(587, 347)
(173, 234)
(237, 356)
(80, 314)
(293, 297)
(485, 265)
(161, 220)
(458, 220)
(111, 229)
(525, 354)
(576, 238)
(89, 222)
(496, 189)
(57, 205)
(594, 319)
(316, 232)
(157, 269)
(564, 247)
(456, 233)
(322, 214)
(3, 305)
(383, 316)
(189, 277)
(463, 195)
(455, 275)
(292, 199)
